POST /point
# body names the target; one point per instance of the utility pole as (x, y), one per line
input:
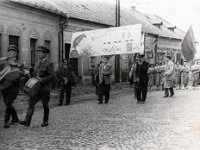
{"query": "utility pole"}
(117, 57)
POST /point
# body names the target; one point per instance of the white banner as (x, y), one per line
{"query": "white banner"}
(110, 41)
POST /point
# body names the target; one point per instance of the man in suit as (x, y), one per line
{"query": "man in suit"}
(105, 71)
(44, 72)
(66, 80)
(141, 79)
(10, 83)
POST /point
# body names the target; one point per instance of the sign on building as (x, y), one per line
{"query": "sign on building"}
(111, 41)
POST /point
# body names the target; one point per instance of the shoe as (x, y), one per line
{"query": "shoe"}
(66, 103)
(44, 124)
(172, 95)
(165, 96)
(106, 102)
(13, 122)
(6, 125)
(59, 104)
(24, 123)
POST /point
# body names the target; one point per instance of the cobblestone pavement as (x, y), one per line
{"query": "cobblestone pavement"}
(159, 124)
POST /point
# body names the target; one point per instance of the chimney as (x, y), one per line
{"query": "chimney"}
(133, 8)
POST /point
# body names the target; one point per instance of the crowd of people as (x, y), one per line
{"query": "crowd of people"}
(142, 75)
(184, 76)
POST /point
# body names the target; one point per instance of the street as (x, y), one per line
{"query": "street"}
(160, 124)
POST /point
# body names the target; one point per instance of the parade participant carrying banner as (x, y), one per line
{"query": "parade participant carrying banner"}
(111, 41)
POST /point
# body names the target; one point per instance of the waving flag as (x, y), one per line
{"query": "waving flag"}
(188, 48)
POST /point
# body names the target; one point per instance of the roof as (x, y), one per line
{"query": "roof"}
(103, 13)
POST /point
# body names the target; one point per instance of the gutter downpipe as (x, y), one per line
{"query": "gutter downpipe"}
(63, 25)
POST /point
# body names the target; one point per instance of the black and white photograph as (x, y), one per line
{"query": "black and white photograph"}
(99, 75)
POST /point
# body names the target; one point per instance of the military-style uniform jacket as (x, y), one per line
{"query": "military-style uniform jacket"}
(45, 70)
(105, 70)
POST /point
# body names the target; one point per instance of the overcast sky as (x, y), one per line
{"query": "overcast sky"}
(181, 13)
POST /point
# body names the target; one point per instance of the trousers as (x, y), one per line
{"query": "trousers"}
(44, 96)
(68, 89)
(8, 98)
(104, 90)
(141, 91)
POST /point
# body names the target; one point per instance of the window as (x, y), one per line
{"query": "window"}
(48, 45)
(14, 40)
(33, 45)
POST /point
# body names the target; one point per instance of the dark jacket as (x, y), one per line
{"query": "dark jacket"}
(142, 73)
(66, 73)
(11, 82)
(45, 71)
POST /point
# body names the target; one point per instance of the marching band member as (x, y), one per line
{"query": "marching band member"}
(10, 83)
(169, 77)
(105, 70)
(44, 72)
(184, 75)
(195, 73)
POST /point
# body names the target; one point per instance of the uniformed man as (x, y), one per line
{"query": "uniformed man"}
(65, 77)
(44, 72)
(105, 71)
(169, 77)
(10, 83)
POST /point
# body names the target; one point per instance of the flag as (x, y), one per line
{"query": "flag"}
(188, 48)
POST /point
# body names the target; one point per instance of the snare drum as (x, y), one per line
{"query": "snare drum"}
(32, 87)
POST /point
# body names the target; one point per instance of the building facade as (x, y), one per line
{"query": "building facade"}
(27, 27)
(28, 24)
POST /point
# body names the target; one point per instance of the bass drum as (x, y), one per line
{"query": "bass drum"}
(32, 87)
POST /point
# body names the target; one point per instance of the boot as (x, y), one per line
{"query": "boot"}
(171, 92)
(28, 118)
(15, 118)
(24, 123)
(6, 125)
(46, 118)
(44, 124)
(166, 93)
(14, 121)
